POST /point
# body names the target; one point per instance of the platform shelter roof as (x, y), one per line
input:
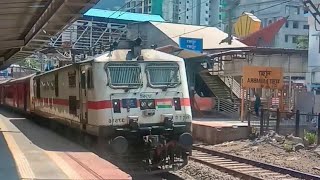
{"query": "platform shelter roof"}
(27, 25)
(212, 37)
(127, 16)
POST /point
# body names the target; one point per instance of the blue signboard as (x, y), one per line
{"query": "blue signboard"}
(193, 44)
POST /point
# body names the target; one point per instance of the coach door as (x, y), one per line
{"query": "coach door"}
(83, 95)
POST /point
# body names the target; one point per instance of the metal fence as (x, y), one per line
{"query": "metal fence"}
(285, 123)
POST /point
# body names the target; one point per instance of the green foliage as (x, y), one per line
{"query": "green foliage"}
(288, 146)
(310, 137)
(30, 63)
(303, 42)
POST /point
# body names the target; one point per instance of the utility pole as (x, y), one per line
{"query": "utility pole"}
(232, 4)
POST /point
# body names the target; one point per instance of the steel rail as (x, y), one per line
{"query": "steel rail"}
(244, 161)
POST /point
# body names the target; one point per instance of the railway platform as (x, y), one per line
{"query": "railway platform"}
(219, 130)
(28, 151)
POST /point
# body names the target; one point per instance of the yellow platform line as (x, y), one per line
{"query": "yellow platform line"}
(66, 168)
(21, 161)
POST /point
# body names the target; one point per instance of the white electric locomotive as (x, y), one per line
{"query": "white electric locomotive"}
(134, 101)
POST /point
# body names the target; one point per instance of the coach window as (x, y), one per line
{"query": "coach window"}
(38, 88)
(72, 79)
(56, 84)
(83, 79)
(90, 79)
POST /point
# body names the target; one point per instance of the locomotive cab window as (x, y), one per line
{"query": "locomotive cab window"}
(163, 75)
(124, 75)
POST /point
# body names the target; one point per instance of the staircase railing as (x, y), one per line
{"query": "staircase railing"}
(232, 84)
(227, 106)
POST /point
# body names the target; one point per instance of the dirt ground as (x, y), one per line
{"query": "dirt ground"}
(305, 160)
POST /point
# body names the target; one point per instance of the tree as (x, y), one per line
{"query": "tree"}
(303, 42)
(30, 63)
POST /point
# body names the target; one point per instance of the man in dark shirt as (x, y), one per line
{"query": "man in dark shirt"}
(257, 104)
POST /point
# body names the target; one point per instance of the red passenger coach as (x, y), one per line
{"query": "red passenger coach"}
(16, 93)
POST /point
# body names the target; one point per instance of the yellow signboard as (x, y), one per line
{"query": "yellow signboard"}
(262, 77)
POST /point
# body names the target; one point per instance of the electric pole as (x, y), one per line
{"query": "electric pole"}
(232, 4)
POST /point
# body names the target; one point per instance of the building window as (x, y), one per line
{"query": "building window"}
(187, 9)
(292, 10)
(187, 17)
(206, 12)
(294, 39)
(287, 24)
(286, 37)
(206, 19)
(305, 26)
(287, 10)
(295, 25)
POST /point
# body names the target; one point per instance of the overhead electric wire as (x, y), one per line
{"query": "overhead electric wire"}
(187, 10)
(125, 4)
(130, 8)
(219, 22)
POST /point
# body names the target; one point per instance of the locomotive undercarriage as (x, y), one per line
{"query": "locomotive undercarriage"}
(157, 146)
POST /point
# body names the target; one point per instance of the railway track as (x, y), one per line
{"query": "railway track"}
(245, 168)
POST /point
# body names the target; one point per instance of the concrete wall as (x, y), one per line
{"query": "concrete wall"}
(215, 135)
(295, 64)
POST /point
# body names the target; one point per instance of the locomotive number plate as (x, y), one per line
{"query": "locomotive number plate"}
(117, 121)
(183, 118)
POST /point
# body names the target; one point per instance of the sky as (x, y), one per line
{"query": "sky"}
(110, 4)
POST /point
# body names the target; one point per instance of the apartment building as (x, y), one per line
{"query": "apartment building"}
(195, 12)
(269, 11)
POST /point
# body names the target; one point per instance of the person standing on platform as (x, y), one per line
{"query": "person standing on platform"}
(257, 104)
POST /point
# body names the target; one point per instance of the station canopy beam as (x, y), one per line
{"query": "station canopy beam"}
(28, 25)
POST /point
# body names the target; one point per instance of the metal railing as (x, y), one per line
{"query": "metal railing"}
(285, 123)
(227, 106)
(232, 84)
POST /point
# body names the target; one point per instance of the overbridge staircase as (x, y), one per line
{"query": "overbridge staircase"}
(227, 92)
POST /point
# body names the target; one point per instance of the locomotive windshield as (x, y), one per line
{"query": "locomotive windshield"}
(124, 75)
(163, 75)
